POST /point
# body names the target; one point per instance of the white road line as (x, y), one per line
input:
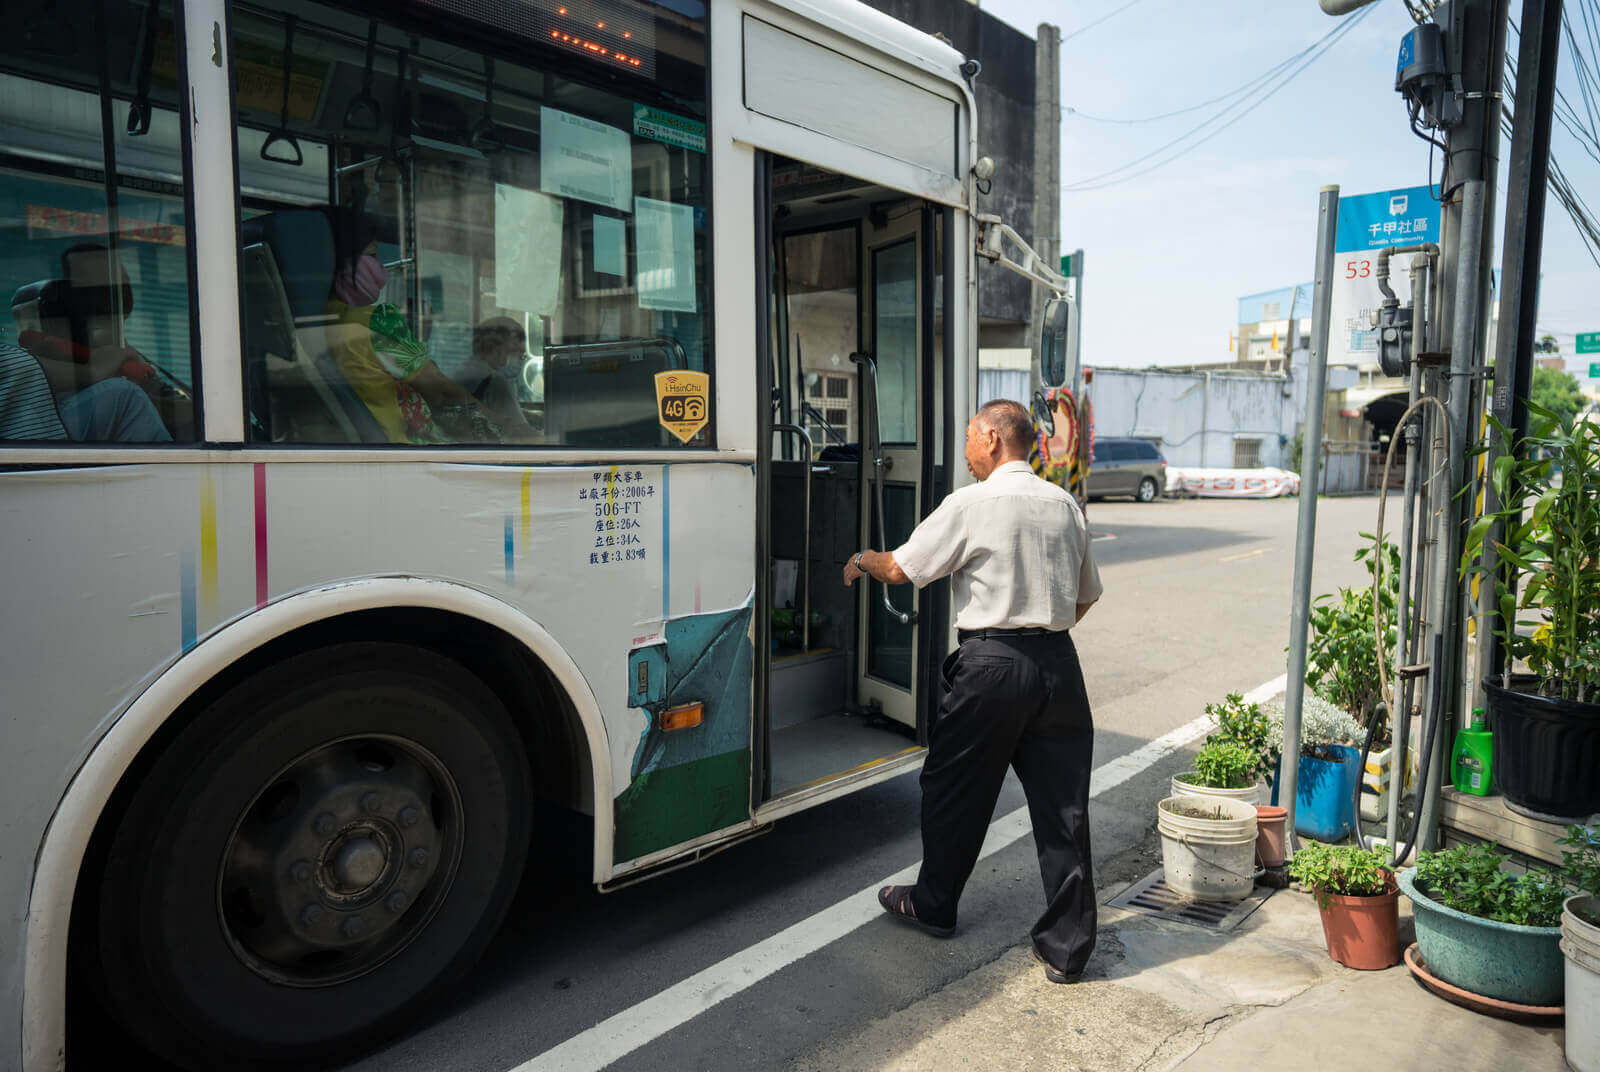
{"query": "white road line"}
(619, 1035)
(1247, 554)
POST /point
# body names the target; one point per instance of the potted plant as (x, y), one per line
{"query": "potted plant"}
(1359, 900)
(1580, 945)
(1329, 767)
(1547, 722)
(1485, 930)
(1221, 769)
(1343, 655)
(1207, 846)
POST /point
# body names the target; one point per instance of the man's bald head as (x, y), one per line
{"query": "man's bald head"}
(1011, 422)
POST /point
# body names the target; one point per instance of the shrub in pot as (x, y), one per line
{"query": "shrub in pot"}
(1580, 945)
(1342, 650)
(1486, 930)
(1221, 769)
(1547, 723)
(1329, 768)
(1359, 900)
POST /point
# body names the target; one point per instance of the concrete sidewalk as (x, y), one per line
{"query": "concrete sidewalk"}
(1164, 995)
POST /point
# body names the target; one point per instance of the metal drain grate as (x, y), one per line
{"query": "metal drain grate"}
(1151, 896)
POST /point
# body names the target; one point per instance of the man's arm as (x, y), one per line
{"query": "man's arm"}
(1083, 608)
(879, 565)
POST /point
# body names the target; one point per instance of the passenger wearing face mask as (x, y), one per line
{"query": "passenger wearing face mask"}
(388, 367)
(499, 351)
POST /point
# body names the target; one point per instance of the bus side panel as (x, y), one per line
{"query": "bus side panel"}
(112, 572)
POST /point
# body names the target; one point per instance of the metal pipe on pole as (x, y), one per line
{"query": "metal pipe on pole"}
(1306, 531)
(1443, 678)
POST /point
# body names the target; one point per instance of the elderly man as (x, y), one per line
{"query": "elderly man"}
(1016, 550)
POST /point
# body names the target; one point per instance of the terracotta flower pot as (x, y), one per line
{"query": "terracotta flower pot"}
(1363, 932)
(1270, 820)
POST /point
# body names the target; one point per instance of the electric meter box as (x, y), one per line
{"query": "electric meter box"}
(1421, 56)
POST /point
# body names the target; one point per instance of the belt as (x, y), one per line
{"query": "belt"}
(964, 635)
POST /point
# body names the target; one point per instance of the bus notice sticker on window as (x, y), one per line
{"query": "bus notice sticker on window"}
(668, 128)
(684, 402)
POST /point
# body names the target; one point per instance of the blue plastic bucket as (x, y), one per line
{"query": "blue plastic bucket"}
(1324, 795)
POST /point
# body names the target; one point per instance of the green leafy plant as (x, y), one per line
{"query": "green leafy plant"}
(1470, 879)
(1247, 726)
(1346, 870)
(1557, 391)
(1222, 765)
(1549, 529)
(1322, 725)
(1580, 860)
(1342, 651)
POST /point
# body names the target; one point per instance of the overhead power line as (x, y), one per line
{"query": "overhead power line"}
(1240, 107)
(1257, 80)
(1096, 22)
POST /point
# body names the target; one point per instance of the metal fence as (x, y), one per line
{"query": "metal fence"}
(1353, 467)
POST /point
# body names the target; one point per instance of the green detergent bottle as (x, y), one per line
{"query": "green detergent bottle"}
(1473, 757)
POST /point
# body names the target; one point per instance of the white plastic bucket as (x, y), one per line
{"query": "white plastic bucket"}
(1208, 859)
(1580, 943)
(1181, 788)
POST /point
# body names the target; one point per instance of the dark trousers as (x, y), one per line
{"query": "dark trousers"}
(1015, 701)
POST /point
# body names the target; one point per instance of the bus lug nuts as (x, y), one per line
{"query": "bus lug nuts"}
(370, 803)
(311, 915)
(323, 824)
(418, 857)
(300, 870)
(352, 927)
(409, 816)
(396, 902)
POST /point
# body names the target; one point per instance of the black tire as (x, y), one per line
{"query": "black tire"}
(206, 941)
(1148, 491)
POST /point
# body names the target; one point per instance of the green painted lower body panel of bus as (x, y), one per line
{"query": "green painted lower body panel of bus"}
(692, 781)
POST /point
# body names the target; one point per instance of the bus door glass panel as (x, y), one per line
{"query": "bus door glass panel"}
(93, 236)
(817, 327)
(888, 665)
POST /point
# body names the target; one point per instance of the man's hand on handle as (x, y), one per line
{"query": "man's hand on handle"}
(879, 565)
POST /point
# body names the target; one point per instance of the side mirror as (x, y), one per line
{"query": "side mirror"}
(1058, 342)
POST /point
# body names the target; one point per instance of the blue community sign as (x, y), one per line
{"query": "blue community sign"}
(1388, 218)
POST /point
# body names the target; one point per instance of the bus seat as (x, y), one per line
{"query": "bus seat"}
(289, 263)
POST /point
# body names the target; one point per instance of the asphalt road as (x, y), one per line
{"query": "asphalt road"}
(1196, 605)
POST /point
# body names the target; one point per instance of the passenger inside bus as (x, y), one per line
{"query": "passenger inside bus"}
(499, 354)
(72, 327)
(390, 368)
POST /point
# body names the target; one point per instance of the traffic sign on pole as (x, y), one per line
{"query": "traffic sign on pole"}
(1589, 343)
(1594, 370)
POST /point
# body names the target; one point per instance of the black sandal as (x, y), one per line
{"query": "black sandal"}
(896, 900)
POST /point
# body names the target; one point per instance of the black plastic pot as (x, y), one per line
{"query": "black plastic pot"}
(1546, 752)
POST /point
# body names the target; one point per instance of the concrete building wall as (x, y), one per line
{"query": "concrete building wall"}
(1200, 419)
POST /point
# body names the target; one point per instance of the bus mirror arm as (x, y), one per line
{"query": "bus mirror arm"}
(869, 368)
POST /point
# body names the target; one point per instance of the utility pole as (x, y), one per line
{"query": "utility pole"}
(1519, 272)
(1046, 173)
(1475, 35)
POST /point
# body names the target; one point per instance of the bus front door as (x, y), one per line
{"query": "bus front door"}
(848, 407)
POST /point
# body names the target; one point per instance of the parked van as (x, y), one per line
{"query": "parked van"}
(1127, 467)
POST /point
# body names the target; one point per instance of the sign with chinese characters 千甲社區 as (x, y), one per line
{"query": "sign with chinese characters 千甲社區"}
(1368, 223)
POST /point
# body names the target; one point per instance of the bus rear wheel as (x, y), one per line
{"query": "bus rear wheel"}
(317, 853)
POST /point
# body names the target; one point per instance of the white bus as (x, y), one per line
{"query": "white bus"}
(415, 415)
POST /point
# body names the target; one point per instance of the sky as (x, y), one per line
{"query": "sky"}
(1169, 253)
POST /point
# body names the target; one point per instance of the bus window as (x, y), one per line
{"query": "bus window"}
(93, 257)
(443, 245)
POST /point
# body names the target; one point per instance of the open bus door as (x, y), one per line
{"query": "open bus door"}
(858, 451)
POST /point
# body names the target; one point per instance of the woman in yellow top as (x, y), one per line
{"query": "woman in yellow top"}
(386, 365)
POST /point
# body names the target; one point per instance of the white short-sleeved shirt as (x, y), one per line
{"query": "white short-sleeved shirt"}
(1016, 550)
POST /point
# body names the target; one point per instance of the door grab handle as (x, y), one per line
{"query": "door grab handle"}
(879, 464)
(805, 563)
